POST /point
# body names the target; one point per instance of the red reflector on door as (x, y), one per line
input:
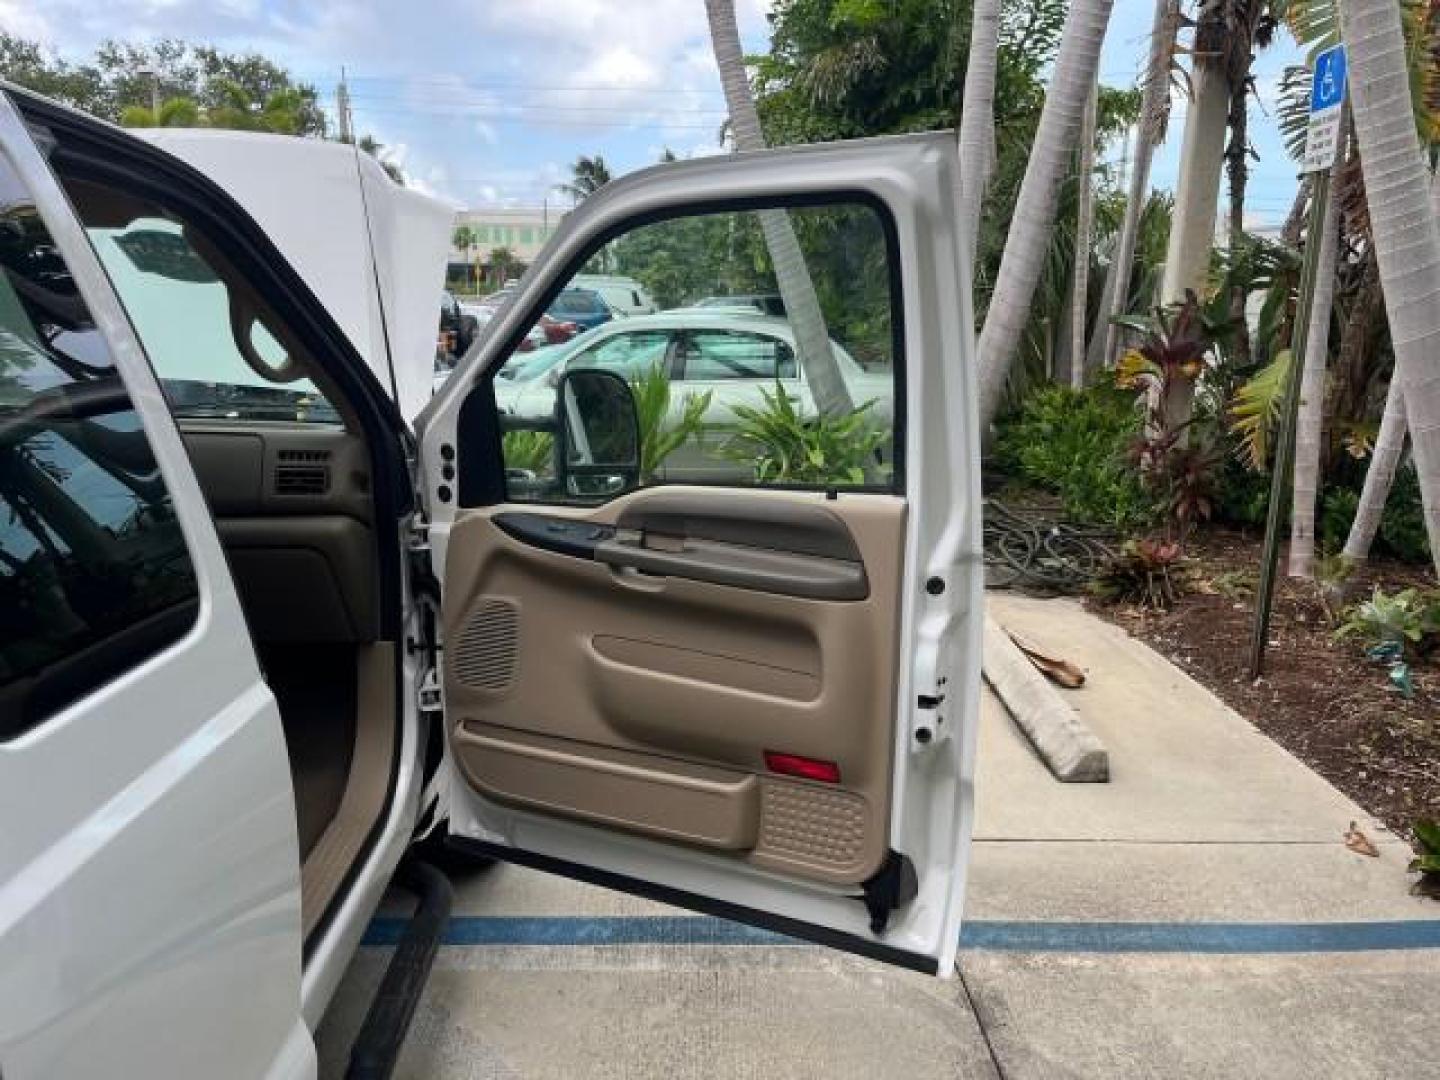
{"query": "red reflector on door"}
(805, 768)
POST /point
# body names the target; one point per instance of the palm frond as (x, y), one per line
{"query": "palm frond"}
(1255, 412)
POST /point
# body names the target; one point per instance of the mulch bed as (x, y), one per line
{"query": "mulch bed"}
(1319, 698)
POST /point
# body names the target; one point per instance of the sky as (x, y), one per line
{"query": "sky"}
(487, 102)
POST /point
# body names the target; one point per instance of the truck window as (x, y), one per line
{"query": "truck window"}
(94, 573)
(182, 302)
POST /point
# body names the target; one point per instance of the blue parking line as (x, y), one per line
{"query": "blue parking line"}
(1046, 937)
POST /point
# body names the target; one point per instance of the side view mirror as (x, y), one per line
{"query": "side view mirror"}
(597, 428)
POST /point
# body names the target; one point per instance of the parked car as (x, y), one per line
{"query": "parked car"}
(253, 605)
(765, 303)
(734, 356)
(586, 308)
(624, 294)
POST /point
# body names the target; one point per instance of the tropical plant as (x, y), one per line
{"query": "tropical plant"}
(173, 112)
(1076, 69)
(504, 264)
(533, 451)
(1074, 443)
(1147, 571)
(802, 305)
(1427, 853)
(195, 85)
(1255, 411)
(659, 438)
(820, 450)
(465, 240)
(588, 175)
(376, 149)
(1401, 619)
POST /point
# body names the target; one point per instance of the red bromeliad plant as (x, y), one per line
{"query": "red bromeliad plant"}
(1178, 465)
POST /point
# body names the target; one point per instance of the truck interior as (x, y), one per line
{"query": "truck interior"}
(288, 472)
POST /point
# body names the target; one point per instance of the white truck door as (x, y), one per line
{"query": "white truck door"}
(149, 871)
(756, 699)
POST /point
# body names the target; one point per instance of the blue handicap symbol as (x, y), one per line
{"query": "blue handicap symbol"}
(1328, 86)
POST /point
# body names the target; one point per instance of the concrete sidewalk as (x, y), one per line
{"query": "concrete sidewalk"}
(1206, 828)
(1205, 821)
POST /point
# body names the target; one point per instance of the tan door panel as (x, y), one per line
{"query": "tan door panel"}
(649, 701)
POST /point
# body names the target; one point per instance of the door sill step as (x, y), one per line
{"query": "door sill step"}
(377, 1046)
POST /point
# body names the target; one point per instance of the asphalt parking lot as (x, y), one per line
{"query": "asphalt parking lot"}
(1198, 916)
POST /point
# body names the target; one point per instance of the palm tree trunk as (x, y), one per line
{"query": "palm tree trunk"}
(1154, 111)
(1295, 219)
(1202, 158)
(802, 306)
(1076, 66)
(1084, 236)
(1311, 418)
(1379, 476)
(1405, 231)
(1237, 172)
(977, 117)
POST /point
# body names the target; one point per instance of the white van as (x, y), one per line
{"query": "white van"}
(259, 630)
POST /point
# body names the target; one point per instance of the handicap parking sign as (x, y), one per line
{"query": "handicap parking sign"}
(1327, 95)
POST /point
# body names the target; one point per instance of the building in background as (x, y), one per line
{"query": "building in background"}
(522, 229)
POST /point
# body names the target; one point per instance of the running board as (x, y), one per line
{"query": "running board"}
(376, 1048)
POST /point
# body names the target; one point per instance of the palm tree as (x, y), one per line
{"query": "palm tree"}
(1084, 236)
(802, 306)
(1202, 158)
(1405, 230)
(589, 175)
(464, 239)
(1149, 133)
(1310, 420)
(374, 148)
(174, 112)
(1075, 71)
(504, 264)
(977, 118)
(1379, 476)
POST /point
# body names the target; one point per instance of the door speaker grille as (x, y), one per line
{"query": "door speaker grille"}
(485, 655)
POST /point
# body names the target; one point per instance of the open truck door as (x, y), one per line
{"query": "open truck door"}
(756, 699)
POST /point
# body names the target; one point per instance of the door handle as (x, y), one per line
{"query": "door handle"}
(782, 573)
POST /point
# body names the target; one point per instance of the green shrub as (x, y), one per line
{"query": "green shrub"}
(1338, 506)
(1076, 443)
(787, 448)
(1402, 526)
(532, 451)
(1403, 619)
(1242, 495)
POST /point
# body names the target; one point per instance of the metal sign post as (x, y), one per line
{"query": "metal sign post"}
(1323, 140)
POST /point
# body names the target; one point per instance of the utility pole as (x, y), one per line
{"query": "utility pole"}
(342, 106)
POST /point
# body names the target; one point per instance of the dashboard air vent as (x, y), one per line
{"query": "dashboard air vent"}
(302, 479)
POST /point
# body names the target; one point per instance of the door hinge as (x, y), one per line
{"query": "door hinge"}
(890, 888)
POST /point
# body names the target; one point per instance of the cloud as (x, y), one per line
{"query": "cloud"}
(21, 19)
(483, 96)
